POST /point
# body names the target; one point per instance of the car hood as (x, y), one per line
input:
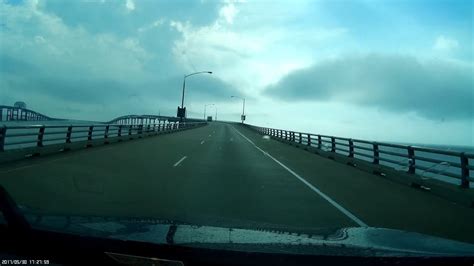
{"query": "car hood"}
(352, 241)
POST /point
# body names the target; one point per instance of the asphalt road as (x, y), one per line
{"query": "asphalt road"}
(227, 175)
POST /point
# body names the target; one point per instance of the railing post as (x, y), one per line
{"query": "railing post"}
(464, 171)
(119, 133)
(68, 134)
(320, 143)
(3, 134)
(140, 129)
(300, 138)
(411, 160)
(309, 140)
(375, 147)
(148, 128)
(39, 142)
(130, 130)
(333, 144)
(106, 132)
(89, 134)
(351, 148)
(286, 135)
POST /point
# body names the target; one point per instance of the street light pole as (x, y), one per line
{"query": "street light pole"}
(182, 96)
(243, 107)
(182, 114)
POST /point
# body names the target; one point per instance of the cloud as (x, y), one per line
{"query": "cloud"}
(434, 89)
(130, 5)
(155, 24)
(228, 12)
(443, 43)
(50, 64)
(252, 39)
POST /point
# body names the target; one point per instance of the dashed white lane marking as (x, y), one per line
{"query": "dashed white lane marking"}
(178, 162)
(45, 162)
(202, 142)
(18, 168)
(319, 192)
(31, 165)
(210, 135)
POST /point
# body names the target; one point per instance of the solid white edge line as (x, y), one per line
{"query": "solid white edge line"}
(178, 162)
(319, 192)
(202, 142)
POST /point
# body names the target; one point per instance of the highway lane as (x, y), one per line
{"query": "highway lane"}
(379, 202)
(209, 175)
(226, 175)
(229, 182)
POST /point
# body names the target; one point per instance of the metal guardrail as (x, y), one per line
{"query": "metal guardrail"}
(373, 152)
(13, 137)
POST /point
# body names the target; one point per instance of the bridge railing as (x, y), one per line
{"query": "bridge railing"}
(427, 162)
(18, 137)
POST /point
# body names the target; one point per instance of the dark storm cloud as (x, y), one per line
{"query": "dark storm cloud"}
(108, 16)
(434, 89)
(80, 89)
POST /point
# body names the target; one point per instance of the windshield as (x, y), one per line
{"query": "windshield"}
(306, 117)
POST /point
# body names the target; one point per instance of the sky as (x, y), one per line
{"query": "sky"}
(399, 71)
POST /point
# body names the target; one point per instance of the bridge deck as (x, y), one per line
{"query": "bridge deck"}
(227, 180)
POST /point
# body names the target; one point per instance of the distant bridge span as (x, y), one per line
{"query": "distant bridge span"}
(12, 113)
(146, 119)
